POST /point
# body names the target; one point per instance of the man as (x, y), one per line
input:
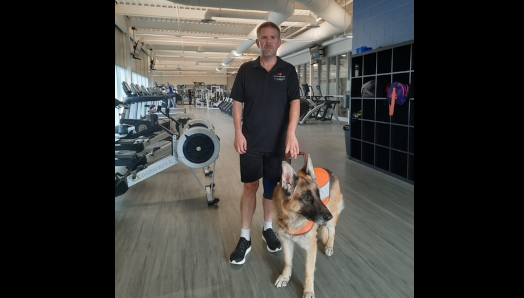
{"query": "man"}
(171, 99)
(266, 108)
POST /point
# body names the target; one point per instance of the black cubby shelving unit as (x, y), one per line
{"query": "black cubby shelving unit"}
(376, 139)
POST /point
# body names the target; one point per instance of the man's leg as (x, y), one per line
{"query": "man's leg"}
(268, 235)
(250, 170)
(272, 174)
(248, 204)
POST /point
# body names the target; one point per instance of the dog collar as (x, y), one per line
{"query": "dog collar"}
(324, 189)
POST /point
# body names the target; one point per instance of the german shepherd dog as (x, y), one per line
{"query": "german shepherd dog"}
(303, 203)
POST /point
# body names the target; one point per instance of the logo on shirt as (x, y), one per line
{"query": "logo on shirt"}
(279, 77)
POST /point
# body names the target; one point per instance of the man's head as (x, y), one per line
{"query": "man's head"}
(268, 39)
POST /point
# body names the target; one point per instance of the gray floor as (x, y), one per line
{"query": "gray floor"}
(170, 243)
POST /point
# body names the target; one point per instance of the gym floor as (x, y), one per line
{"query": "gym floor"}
(170, 243)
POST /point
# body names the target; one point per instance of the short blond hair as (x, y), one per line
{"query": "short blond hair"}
(266, 25)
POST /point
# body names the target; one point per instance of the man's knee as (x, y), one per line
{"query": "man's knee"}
(251, 188)
(269, 188)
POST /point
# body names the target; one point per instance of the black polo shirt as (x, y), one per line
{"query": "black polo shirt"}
(267, 97)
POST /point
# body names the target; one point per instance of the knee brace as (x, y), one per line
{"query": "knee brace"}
(269, 187)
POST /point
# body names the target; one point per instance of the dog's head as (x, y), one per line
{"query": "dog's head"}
(302, 194)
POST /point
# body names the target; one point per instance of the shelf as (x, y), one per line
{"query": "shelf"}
(368, 153)
(368, 108)
(382, 135)
(370, 64)
(382, 158)
(384, 61)
(401, 58)
(399, 163)
(355, 150)
(376, 139)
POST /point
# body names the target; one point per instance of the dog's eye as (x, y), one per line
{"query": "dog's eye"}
(308, 197)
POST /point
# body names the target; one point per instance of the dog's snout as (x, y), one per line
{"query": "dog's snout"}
(328, 216)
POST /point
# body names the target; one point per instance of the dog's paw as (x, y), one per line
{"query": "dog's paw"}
(308, 295)
(329, 251)
(281, 281)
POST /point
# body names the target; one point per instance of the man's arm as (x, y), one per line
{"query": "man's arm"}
(292, 147)
(240, 140)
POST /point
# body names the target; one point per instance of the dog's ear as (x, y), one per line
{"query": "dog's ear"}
(288, 178)
(309, 168)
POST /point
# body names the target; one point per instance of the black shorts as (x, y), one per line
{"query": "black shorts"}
(256, 165)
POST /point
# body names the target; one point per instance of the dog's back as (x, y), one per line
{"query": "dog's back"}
(335, 206)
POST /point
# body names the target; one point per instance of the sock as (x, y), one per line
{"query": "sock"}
(246, 234)
(268, 225)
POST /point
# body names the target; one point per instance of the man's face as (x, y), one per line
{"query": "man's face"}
(268, 42)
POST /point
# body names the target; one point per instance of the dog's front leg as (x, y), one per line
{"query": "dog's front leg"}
(328, 238)
(311, 258)
(287, 247)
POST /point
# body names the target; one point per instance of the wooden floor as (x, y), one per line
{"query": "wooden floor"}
(170, 243)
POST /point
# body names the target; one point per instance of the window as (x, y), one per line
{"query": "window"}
(343, 87)
(136, 110)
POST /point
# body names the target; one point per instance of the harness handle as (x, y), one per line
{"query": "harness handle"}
(288, 158)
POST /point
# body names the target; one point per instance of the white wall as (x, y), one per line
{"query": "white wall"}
(332, 49)
(340, 47)
(298, 59)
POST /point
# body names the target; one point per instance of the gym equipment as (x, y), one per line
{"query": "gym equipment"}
(134, 128)
(142, 144)
(222, 105)
(314, 107)
(229, 108)
(195, 145)
(134, 96)
(327, 112)
(138, 142)
(134, 90)
(214, 99)
(139, 124)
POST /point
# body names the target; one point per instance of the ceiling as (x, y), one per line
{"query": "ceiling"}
(214, 37)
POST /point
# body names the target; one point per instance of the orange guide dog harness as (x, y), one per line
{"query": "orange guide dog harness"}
(323, 187)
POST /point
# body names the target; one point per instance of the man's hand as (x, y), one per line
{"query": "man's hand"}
(240, 143)
(292, 148)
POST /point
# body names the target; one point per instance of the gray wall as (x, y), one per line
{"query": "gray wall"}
(378, 23)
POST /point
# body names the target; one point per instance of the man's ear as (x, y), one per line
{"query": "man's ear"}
(288, 178)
